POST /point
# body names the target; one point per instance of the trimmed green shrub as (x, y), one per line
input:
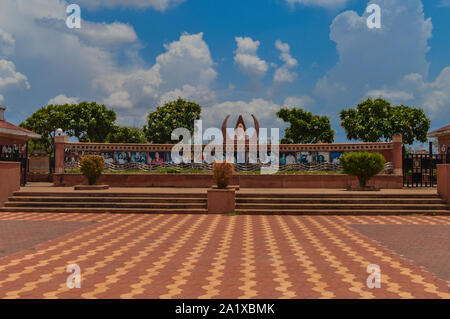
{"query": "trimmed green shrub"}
(91, 167)
(223, 173)
(363, 165)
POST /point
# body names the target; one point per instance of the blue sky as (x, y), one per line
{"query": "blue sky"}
(251, 56)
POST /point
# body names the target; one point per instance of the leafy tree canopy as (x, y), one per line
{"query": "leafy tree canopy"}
(89, 122)
(375, 120)
(125, 134)
(172, 115)
(363, 165)
(305, 128)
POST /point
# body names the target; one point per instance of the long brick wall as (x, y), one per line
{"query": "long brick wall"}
(244, 181)
(67, 152)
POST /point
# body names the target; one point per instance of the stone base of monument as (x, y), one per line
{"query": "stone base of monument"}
(363, 189)
(90, 187)
(221, 201)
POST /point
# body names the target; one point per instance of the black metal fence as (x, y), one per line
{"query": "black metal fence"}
(420, 170)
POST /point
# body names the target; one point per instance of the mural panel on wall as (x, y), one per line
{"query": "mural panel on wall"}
(321, 157)
(305, 158)
(139, 157)
(287, 158)
(122, 157)
(335, 157)
(108, 157)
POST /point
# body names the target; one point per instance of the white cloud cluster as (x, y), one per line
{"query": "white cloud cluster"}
(7, 43)
(329, 4)
(103, 34)
(284, 73)
(375, 60)
(305, 102)
(98, 62)
(247, 60)
(9, 76)
(62, 99)
(160, 5)
(187, 60)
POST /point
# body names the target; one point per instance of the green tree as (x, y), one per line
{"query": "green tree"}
(305, 128)
(125, 134)
(89, 122)
(375, 120)
(91, 167)
(172, 115)
(363, 165)
(45, 122)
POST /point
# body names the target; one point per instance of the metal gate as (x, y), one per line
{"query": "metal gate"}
(419, 170)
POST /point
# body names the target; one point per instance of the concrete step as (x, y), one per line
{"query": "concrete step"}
(355, 200)
(103, 210)
(108, 199)
(107, 205)
(338, 195)
(87, 194)
(344, 212)
(355, 206)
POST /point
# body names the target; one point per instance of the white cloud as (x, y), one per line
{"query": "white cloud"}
(445, 3)
(187, 60)
(284, 73)
(433, 97)
(199, 94)
(370, 59)
(247, 60)
(304, 102)
(329, 4)
(186, 69)
(263, 110)
(1, 98)
(119, 100)
(9, 76)
(99, 62)
(107, 34)
(7, 43)
(391, 95)
(62, 99)
(160, 5)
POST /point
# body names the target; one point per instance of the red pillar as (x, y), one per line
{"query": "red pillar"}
(59, 153)
(443, 181)
(397, 141)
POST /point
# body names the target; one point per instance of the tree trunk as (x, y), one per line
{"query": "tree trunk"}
(362, 182)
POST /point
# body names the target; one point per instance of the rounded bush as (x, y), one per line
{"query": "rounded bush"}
(91, 167)
(363, 165)
(223, 173)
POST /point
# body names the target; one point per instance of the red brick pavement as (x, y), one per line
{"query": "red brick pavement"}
(173, 256)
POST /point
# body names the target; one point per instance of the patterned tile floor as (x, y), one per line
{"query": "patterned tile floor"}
(172, 256)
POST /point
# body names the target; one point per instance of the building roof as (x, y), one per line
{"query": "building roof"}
(11, 129)
(439, 132)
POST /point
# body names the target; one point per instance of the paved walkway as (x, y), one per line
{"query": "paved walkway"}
(172, 256)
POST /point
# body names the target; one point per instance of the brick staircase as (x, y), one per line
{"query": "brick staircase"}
(341, 204)
(97, 202)
(370, 203)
